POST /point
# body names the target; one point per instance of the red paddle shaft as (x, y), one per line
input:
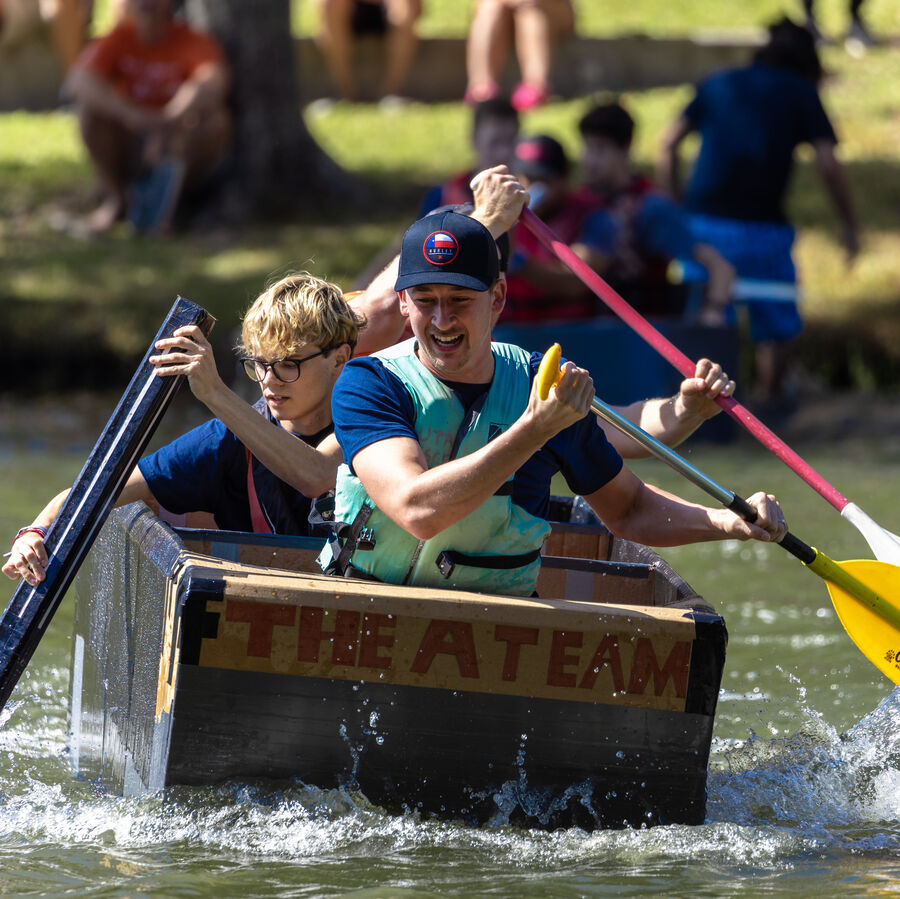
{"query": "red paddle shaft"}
(670, 352)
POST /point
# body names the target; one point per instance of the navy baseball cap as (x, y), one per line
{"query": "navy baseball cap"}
(448, 248)
(468, 209)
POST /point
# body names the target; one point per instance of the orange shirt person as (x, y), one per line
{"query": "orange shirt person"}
(150, 97)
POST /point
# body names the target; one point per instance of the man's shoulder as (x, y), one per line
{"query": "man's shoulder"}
(365, 381)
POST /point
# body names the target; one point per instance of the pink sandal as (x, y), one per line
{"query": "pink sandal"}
(528, 96)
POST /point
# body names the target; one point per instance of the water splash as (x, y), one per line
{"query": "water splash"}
(835, 791)
(776, 803)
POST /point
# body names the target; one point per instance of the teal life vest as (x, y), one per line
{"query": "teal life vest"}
(494, 549)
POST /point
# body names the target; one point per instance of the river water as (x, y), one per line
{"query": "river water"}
(804, 789)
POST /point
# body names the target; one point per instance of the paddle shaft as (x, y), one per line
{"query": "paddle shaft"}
(726, 497)
(88, 503)
(815, 560)
(678, 359)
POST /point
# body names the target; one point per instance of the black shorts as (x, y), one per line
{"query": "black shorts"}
(369, 18)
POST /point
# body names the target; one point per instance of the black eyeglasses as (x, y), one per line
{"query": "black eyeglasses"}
(285, 370)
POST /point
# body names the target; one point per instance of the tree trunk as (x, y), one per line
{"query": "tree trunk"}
(278, 168)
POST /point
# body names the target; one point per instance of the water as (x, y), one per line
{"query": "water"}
(804, 790)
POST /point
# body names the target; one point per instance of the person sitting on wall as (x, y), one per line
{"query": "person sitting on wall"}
(151, 102)
(267, 468)
(68, 22)
(651, 230)
(449, 450)
(536, 27)
(342, 20)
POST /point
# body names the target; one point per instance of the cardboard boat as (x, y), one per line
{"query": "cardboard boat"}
(203, 655)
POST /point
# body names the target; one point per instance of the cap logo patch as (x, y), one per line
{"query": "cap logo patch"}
(440, 248)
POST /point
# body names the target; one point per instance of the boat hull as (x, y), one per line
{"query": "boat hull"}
(190, 668)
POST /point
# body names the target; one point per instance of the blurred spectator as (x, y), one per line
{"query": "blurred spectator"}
(68, 21)
(150, 97)
(652, 231)
(495, 129)
(857, 33)
(343, 20)
(750, 120)
(540, 287)
(535, 26)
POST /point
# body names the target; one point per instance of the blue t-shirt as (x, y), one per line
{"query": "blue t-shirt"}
(205, 470)
(663, 228)
(750, 120)
(599, 232)
(370, 403)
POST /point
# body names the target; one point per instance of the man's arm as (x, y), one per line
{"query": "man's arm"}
(424, 501)
(380, 305)
(835, 180)
(646, 514)
(674, 419)
(720, 283)
(28, 557)
(204, 90)
(668, 172)
(303, 467)
(91, 92)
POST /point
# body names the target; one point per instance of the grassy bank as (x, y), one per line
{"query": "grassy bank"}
(87, 304)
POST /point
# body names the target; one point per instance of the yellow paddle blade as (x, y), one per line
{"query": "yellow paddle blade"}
(874, 631)
(548, 371)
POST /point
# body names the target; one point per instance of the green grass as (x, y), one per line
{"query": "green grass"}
(109, 293)
(658, 17)
(449, 18)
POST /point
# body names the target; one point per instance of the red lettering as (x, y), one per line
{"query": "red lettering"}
(372, 639)
(514, 637)
(607, 655)
(453, 638)
(646, 665)
(559, 658)
(343, 638)
(262, 617)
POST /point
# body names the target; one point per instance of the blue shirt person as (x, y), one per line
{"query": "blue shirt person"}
(750, 121)
(438, 500)
(246, 466)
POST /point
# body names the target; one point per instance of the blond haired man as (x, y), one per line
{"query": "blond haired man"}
(296, 338)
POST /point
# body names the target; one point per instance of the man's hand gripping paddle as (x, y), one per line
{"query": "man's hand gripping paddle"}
(884, 544)
(864, 592)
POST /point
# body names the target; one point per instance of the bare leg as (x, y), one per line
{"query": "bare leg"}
(112, 149)
(195, 147)
(858, 30)
(69, 29)
(336, 41)
(773, 358)
(487, 48)
(205, 144)
(540, 25)
(402, 41)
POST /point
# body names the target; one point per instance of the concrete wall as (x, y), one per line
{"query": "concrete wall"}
(30, 77)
